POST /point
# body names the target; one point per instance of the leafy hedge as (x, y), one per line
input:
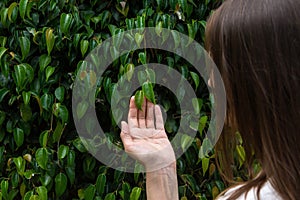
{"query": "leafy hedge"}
(42, 45)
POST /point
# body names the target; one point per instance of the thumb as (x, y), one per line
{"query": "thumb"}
(124, 127)
(125, 137)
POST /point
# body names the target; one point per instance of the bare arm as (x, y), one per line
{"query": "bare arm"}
(162, 184)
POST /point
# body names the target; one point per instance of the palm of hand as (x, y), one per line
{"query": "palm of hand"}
(144, 136)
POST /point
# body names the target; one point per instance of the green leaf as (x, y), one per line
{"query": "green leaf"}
(158, 28)
(138, 38)
(50, 40)
(60, 184)
(41, 156)
(4, 188)
(23, 7)
(49, 71)
(197, 105)
(81, 109)
(3, 93)
(25, 46)
(45, 179)
(19, 136)
(46, 101)
(139, 99)
(78, 144)
(60, 93)
(100, 184)
(2, 51)
(205, 164)
(44, 61)
(71, 158)
(26, 97)
(23, 75)
(110, 196)
(241, 154)
(205, 148)
(186, 141)
(142, 58)
(62, 151)
(65, 22)
(28, 195)
(135, 193)
(20, 165)
(84, 45)
(183, 4)
(195, 78)
(57, 132)
(202, 124)
(10, 10)
(42, 192)
(71, 174)
(89, 192)
(176, 37)
(148, 91)
(129, 69)
(43, 139)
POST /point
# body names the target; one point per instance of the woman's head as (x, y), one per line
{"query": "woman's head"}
(256, 46)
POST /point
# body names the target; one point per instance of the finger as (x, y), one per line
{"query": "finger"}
(125, 136)
(150, 115)
(159, 118)
(132, 114)
(142, 115)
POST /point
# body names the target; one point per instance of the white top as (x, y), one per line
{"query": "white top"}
(267, 192)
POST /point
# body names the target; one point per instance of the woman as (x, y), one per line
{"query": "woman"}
(256, 46)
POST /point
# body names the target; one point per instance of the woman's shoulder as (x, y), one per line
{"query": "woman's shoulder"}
(267, 192)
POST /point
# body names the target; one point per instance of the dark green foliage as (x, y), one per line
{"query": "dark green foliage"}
(42, 45)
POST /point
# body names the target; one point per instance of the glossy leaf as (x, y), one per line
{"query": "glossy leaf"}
(196, 79)
(60, 184)
(139, 99)
(60, 93)
(10, 11)
(89, 192)
(84, 45)
(19, 136)
(100, 183)
(62, 151)
(3, 93)
(41, 156)
(42, 192)
(49, 71)
(65, 22)
(23, 7)
(25, 46)
(135, 193)
(57, 132)
(44, 61)
(20, 165)
(110, 196)
(148, 91)
(81, 109)
(205, 164)
(2, 51)
(50, 40)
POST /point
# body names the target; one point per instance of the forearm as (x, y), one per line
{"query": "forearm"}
(162, 184)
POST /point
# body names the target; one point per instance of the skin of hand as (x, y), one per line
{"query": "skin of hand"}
(144, 137)
(145, 140)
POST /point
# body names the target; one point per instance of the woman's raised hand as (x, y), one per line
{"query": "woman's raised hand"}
(144, 136)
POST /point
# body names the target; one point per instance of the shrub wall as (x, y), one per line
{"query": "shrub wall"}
(42, 45)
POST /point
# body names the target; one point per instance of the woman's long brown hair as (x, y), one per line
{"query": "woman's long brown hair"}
(256, 46)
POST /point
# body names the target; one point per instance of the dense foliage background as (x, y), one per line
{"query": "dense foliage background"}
(42, 45)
